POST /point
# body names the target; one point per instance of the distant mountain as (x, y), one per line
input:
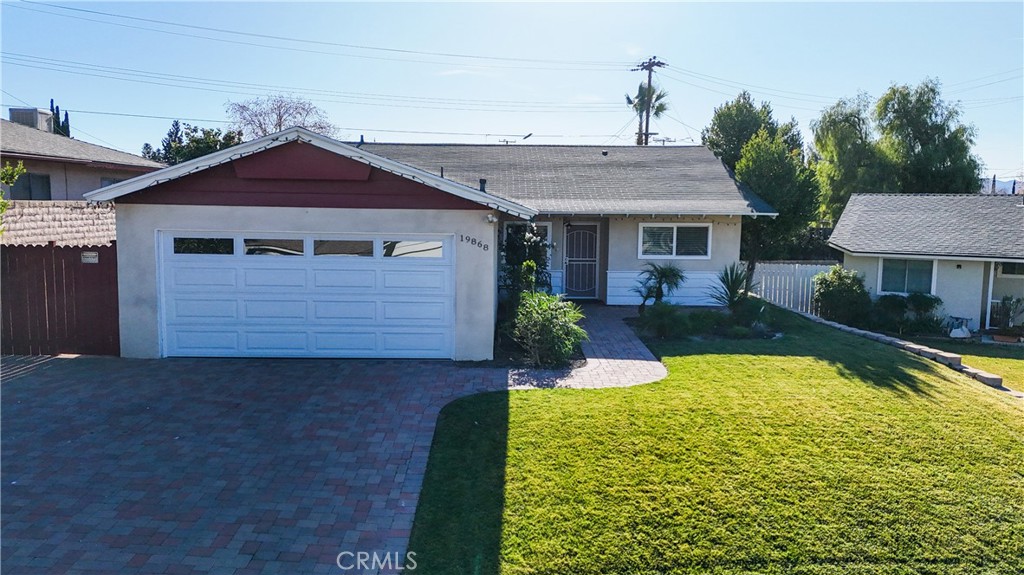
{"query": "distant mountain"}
(1003, 188)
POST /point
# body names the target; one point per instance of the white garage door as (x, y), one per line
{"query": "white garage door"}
(273, 295)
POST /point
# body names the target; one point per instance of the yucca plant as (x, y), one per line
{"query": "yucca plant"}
(730, 291)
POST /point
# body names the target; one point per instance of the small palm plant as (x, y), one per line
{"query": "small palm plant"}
(730, 290)
(657, 281)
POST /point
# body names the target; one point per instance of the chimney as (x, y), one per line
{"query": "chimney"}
(483, 185)
(33, 118)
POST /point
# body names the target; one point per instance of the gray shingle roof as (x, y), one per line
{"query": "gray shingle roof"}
(23, 140)
(37, 223)
(982, 226)
(582, 180)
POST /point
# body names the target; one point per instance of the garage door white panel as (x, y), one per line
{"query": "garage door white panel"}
(237, 304)
(275, 309)
(203, 342)
(275, 278)
(345, 310)
(187, 277)
(345, 278)
(401, 311)
(185, 308)
(277, 342)
(360, 344)
(430, 280)
(424, 343)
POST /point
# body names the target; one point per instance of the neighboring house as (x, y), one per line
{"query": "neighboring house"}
(60, 168)
(298, 245)
(966, 249)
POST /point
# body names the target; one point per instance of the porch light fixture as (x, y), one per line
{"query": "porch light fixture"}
(492, 219)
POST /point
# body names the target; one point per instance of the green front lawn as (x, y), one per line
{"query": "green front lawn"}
(816, 453)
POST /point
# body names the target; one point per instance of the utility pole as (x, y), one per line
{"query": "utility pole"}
(649, 66)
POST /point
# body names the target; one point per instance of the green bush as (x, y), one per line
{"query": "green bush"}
(840, 296)
(546, 328)
(749, 311)
(657, 281)
(923, 317)
(738, 332)
(707, 321)
(890, 313)
(663, 320)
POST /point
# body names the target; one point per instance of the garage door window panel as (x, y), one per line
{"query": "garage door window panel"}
(351, 248)
(274, 247)
(432, 249)
(204, 246)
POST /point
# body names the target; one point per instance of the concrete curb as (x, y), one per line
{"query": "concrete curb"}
(950, 360)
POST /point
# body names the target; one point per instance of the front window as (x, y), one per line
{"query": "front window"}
(675, 241)
(907, 276)
(1011, 269)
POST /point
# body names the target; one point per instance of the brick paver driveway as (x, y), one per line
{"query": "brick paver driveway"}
(220, 466)
(239, 466)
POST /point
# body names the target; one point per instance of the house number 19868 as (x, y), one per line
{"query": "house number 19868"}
(474, 242)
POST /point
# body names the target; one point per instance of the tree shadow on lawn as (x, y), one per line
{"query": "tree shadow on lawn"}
(853, 357)
(458, 523)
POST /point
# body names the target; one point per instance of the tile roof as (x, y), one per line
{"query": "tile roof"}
(981, 226)
(34, 223)
(16, 139)
(585, 180)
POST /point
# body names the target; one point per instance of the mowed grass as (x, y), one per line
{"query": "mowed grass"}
(816, 453)
(1004, 360)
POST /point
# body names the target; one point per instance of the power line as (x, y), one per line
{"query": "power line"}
(25, 59)
(310, 51)
(336, 44)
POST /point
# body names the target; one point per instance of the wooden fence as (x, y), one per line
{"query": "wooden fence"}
(58, 300)
(788, 284)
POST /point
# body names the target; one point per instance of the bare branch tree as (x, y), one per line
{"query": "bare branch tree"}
(259, 117)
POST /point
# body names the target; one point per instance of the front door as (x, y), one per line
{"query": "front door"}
(581, 261)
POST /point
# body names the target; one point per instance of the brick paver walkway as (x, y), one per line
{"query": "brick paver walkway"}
(235, 466)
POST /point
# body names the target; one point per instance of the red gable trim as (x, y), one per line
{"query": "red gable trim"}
(298, 175)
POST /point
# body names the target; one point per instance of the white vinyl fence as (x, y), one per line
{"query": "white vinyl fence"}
(788, 284)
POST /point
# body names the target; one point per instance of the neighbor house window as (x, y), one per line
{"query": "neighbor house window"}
(1011, 269)
(907, 276)
(206, 246)
(675, 241)
(31, 187)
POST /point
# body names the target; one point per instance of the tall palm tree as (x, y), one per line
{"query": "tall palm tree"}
(639, 103)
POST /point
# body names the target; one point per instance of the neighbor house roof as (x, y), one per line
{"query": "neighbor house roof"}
(23, 142)
(35, 223)
(297, 134)
(590, 179)
(939, 225)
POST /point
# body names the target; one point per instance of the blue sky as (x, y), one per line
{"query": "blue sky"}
(558, 71)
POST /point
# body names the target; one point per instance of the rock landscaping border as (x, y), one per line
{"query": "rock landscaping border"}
(951, 360)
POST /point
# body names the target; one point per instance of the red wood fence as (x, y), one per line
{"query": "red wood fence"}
(58, 300)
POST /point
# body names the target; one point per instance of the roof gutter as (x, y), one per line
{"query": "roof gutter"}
(926, 256)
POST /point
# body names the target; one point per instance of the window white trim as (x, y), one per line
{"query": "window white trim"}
(640, 241)
(1001, 274)
(931, 290)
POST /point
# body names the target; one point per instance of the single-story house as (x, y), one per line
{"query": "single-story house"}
(966, 249)
(58, 167)
(299, 245)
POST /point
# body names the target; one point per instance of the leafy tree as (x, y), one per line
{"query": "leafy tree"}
(846, 158)
(259, 117)
(60, 128)
(925, 141)
(646, 94)
(735, 123)
(8, 175)
(777, 174)
(181, 145)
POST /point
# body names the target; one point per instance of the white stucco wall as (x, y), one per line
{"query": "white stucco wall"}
(624, 262)
(137, 227)
(962, 289)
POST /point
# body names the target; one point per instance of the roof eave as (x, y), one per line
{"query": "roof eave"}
(302, 135)
(924, 255)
